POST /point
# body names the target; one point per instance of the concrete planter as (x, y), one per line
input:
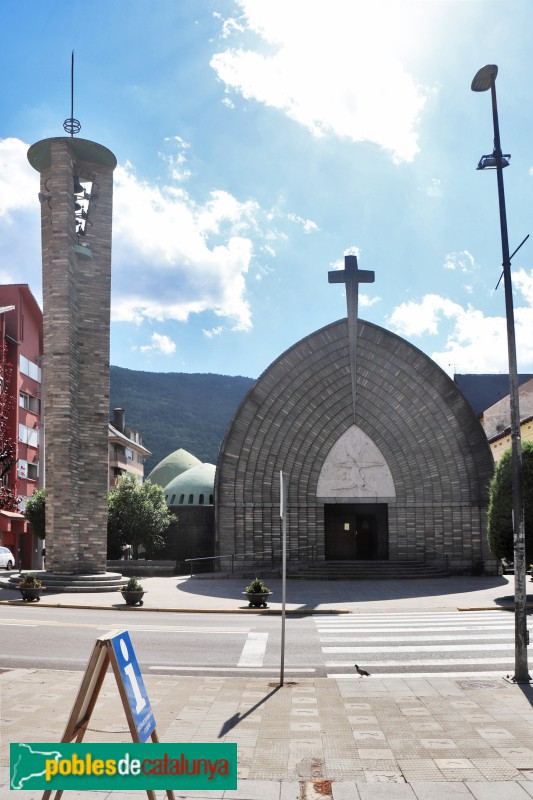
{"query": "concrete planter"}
(31, 593)
(257, 599)
(132, 598)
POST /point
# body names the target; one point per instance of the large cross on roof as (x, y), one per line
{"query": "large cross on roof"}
(352, 276)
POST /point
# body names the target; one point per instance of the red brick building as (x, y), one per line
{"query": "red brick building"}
(21, 329)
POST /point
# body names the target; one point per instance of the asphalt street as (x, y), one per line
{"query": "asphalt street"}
(394, 644)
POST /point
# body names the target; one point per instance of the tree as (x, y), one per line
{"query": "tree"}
(138, 516)
(35, 512)
(8, 453)
(500, 520)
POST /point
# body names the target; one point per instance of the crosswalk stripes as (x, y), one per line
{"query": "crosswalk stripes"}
(418, 644)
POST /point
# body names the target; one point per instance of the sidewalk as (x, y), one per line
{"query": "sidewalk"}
(362, 739)
(304, 596)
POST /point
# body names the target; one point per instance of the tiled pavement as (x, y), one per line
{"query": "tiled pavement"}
(352, 739)
(312, 737)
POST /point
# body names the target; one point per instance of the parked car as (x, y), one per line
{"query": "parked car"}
(7, 559)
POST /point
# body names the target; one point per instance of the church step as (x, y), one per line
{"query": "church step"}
(370, 570)
(102, 582)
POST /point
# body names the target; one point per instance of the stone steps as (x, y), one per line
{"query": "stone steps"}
(338, 570)
(102, 582)
(141, 568)
(365, 570)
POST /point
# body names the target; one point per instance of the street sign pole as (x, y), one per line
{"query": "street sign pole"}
(283, 515)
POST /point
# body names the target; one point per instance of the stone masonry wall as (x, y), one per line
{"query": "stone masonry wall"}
(76, 299)
(433, 444)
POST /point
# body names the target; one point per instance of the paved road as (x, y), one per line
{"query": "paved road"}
(387, 645)
(316, 737)
(200, 644)
(418, 644)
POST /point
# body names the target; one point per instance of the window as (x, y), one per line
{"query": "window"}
(29, 402)
(210, 499)
(119, 453)
(201, 500)
(191, 499)
(30, 369)
(182, 499)
(27, 470)
(172, 500)
(129, 454)
(29, 436)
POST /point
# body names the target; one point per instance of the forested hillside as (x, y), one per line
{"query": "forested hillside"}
(175, 409)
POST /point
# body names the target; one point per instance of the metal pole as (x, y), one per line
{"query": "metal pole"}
(521, 666)
(283, 515)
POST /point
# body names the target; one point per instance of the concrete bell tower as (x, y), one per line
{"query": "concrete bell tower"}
(76, 197)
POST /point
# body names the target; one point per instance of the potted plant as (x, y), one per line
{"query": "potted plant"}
(30, 587)
(257, 593)
(133, 592)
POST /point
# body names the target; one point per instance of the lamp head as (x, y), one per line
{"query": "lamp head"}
(491, 161)
(484, 78)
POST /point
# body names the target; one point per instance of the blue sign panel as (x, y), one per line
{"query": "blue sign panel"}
(134, 685)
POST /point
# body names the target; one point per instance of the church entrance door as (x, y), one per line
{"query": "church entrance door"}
(356, 532)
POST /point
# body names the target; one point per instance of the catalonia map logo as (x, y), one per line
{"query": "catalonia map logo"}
(40, 765)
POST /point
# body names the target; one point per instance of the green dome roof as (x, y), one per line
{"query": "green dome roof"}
(173, 465)
(195, 487)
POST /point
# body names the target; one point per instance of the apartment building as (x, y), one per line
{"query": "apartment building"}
(21, 334)
(127, 453)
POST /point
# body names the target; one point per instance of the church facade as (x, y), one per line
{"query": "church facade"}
(382, 455)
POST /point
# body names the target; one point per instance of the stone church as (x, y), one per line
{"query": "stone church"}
(382, 454)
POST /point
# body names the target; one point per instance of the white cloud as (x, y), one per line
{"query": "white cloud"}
(523, 283)
(177, 162)
(473, 342)
(416, 319)
(334, 66)
(174, 257)
(462, 261)
(434, 189)
(350, 251)
(160, 344)
(20, 230)
(213, 332)
(307, 224)
(353, 251)
(367, 302)
(19, 182)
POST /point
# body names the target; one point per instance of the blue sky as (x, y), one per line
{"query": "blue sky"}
(258, 141)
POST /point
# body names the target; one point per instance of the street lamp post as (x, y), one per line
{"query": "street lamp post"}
(485, 79)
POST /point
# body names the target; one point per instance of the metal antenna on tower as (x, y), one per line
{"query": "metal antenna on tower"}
(72, 125)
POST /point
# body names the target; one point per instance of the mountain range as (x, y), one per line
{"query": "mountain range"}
(173, 410)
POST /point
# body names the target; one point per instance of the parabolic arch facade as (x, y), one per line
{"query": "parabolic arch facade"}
(407, 478)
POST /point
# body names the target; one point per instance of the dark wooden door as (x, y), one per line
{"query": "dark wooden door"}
(366, 536)
(341, 539)
(355, 532)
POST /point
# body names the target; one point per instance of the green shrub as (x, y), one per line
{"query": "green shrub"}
(35, 512)
(500, 519)
(132, 585)
(30, 581)
(257, 587)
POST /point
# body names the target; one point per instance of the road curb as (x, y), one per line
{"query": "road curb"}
(492, 608)
(264, 611)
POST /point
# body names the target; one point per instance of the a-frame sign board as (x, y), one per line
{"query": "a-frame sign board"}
(114, 648)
